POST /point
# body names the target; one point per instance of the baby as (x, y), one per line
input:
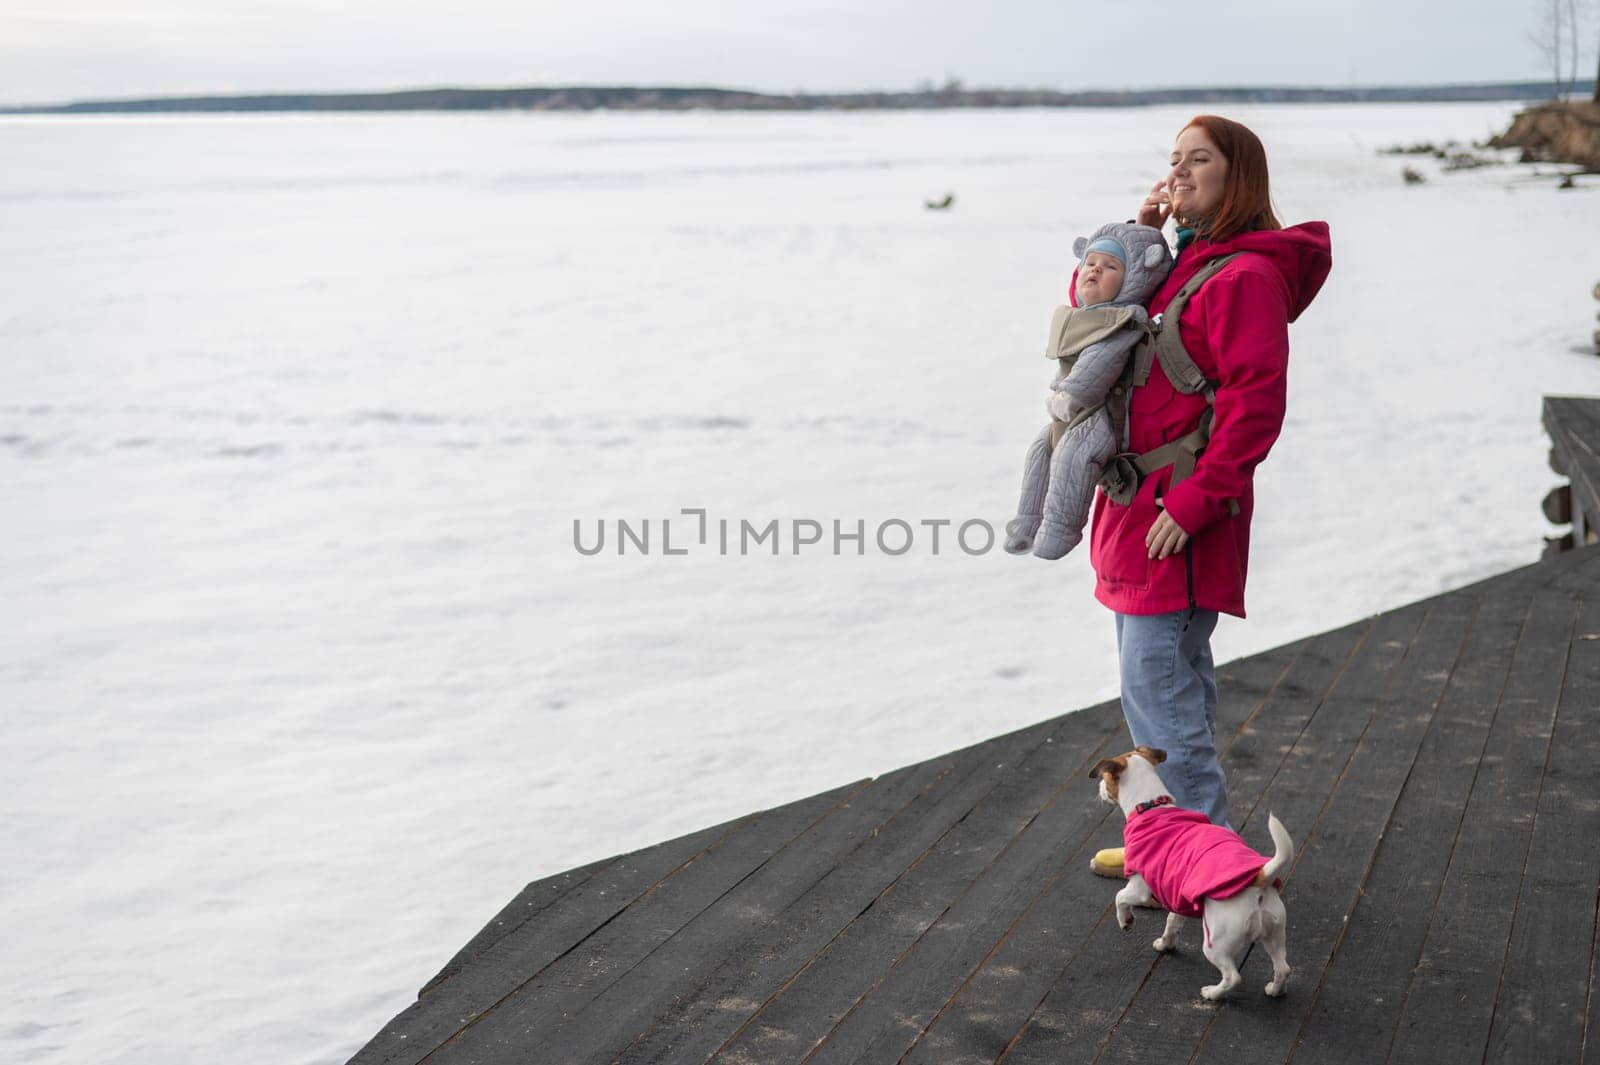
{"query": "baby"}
(1119, 269)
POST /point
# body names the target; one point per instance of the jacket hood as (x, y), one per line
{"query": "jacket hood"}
(1300, 254)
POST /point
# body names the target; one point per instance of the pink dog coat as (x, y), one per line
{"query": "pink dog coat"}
(1186, 859)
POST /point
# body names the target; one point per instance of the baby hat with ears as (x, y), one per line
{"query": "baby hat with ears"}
(1143, 251)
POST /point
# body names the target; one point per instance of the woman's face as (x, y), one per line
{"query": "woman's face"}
(1199, 174)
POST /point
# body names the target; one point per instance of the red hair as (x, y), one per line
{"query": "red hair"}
(1246, 199)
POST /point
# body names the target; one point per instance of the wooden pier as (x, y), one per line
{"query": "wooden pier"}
(1438, 766)
(1573, 424)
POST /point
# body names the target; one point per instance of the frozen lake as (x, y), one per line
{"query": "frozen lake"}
(303, 675)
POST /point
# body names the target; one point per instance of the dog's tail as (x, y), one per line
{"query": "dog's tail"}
(1283, 853)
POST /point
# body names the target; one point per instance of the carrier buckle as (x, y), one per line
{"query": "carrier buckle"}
(1120, 481)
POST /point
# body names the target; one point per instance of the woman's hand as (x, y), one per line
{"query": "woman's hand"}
(1157, 207)
(1166, 537)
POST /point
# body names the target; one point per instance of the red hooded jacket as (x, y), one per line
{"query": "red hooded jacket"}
(1236, 328)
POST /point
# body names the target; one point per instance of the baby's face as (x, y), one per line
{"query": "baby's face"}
(1099, 279)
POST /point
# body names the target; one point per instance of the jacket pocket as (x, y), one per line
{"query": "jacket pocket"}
(1117, 547)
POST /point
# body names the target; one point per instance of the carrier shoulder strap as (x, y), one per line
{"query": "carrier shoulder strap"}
(1167, 344)
(1124, 472)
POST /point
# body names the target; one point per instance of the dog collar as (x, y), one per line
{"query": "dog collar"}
(1162, 800)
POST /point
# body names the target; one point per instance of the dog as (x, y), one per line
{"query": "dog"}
(1234, 889)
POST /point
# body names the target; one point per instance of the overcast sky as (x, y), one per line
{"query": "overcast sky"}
(58, 50)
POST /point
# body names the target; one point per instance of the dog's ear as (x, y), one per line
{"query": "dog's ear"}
(1104, 766)
(1155, 754)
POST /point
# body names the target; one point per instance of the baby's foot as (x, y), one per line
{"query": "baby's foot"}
(1054, 539)
(1019, 533)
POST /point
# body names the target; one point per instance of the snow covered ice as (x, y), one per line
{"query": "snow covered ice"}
(302, 674)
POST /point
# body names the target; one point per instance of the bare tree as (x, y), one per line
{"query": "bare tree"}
(1595, 27)
(1550, 38)
(1582, 24)
(1573, 36)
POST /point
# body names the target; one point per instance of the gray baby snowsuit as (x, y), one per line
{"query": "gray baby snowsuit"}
(1092, 345)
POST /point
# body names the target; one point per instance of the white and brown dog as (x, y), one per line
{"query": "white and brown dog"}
(1194, 868)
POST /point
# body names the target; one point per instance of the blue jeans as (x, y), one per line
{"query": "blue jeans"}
(1169, 698)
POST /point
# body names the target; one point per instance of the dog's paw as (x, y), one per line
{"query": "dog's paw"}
(1125, 918)
(1277, 988)
(1166, 943)
(1212, 992)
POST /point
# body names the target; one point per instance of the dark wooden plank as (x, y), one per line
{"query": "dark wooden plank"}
(1363, 990)
(1591, 1025)
(1564, 573)
(1050, 945)
(740, 951)
(1575, 421)
(1446, 1015)
(1576, 573)
(593, 915)
(1548, 573)
(1539, 1013)
(1335, 853)
(1162, 1022)
(536, 900)
(1254, 748)
(561, 916)
(885, 1021)
(866, 951)
(597, 1000)
(693, 1026)
(1245, 685)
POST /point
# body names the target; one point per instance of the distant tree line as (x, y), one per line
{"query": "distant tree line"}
(952, 94)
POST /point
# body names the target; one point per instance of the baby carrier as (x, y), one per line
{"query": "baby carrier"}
(1162, 342)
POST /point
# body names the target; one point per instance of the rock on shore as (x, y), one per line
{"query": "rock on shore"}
(1557, 132)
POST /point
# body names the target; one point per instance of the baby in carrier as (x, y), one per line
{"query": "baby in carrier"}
(1119, 269)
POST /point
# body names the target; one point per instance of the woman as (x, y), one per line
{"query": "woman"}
(1174, 558)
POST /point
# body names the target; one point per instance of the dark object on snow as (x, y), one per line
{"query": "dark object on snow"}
(940, 205)
(1467, 161)
(1420, 148)
(1412, 177)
